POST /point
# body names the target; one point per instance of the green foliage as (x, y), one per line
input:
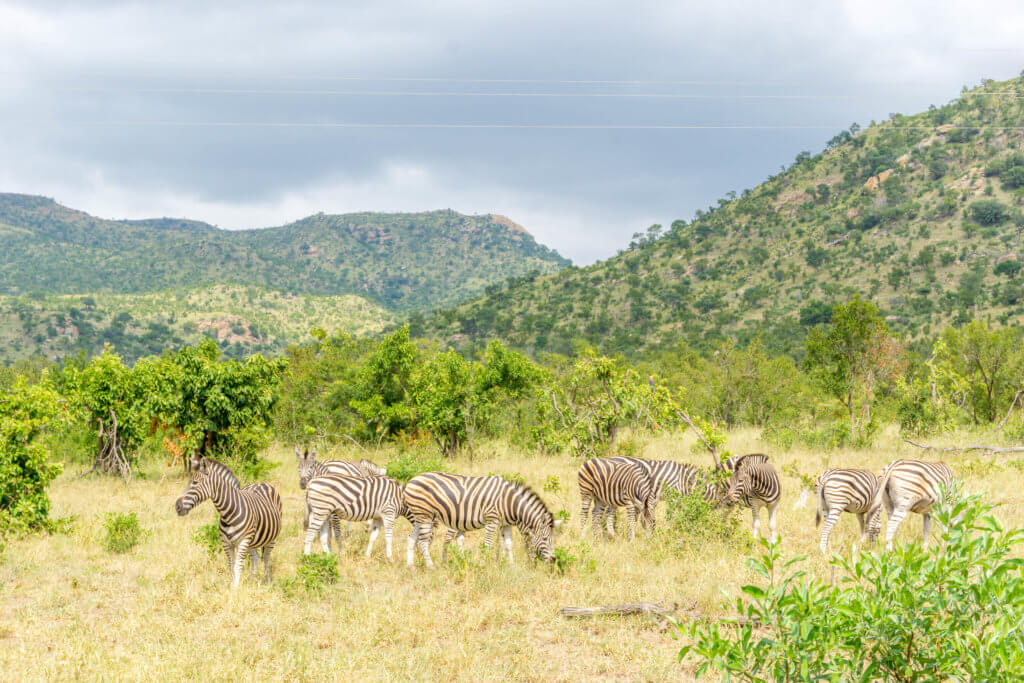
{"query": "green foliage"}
(978, 368)
(208, 536)
(951, 613)
(381, 392)
(581, 561)
(122, 531)
(26, 412)
(442, 393)
(316, 571)
(692, 522)
(409, 464)
(989, 212)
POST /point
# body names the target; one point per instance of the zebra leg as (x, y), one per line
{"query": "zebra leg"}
(229, 551)
(425, 534)
(773, 533)
(490, 530)
(325, 534)
(895, 517)
(584, 511)
(389, 529)
(266, 561)
(240, 552)
(374, 530)
(926, 526)
(755, 510)
(336, 527)
(608, 512)
(506, 537)
(317, 521)
(631, 512)
(410, 556)
(826, 529)
(254, 561)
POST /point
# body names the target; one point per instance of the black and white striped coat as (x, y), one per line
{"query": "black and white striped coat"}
(464, 503)
(757, 485)
(250, 517)
(912, 486)
(310, 467)
(610, 484)
(846, 490)
(378, 500)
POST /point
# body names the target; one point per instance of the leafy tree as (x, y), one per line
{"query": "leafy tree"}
(978, 368)
(26, 411)
(989, 212)
(381, 391)
(850, 355)
(443, 397)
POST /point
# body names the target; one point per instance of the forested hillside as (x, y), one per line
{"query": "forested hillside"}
(402, 262)
(921, 213)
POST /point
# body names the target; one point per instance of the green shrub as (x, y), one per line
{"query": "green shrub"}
(317, 570)
(951, 612)
(208, 536)
(122, 531)
(409, 464)
(581, 560)
(989, 212)
(692, 521)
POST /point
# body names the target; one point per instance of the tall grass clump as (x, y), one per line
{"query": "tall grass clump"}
(950, 612)
(122, 531)
(317, 571)
(692, 521)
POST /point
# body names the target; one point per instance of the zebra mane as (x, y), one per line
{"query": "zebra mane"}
(530, 495)
(218, 469)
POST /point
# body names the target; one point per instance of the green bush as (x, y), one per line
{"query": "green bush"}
(581, 560)
(208, 536)
(989, 212)
(691, 521)
(122, 531)
(317, 570)
(409, 464)
(951, 612)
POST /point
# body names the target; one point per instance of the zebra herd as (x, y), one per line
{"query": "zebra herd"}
(250, 516)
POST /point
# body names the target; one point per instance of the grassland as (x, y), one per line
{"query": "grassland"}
(70, 609)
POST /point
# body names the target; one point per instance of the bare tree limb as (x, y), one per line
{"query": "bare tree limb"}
(346, 436)
(711, 449)
(964, 449)
(657, 608)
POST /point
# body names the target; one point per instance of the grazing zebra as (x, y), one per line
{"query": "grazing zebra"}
(250, 517)
(757, 485)
(464, 503)
(609, 485)
(912, 486)
(840, 491)
(378, 500)
(310, 467)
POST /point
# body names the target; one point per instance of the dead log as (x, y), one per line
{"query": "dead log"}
(656, 608)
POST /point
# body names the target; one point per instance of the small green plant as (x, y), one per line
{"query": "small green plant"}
(122, 531)
(208, 536)
(563, 515)
(511, 477)
(950, 612)
(582, 560)
(691, 520)
(317, 571)
(253, 470)
(409, 464)
(552, 484)
(807, 481)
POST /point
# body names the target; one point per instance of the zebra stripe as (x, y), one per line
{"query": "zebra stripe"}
(913, 486)
(844, 490)
(250, 517)
(358, 499)
(757, 485)
(464, 503)
(611, 485)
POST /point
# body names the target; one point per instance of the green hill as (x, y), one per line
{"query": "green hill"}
(402, 262)
(920, 213)
(243, 320)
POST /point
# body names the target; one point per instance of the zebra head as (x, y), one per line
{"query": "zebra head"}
(541, 540)
(739, 483)
(309, 467)
(372, 468)
(200, 487)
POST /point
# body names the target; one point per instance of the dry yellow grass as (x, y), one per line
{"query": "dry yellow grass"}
(163, 611)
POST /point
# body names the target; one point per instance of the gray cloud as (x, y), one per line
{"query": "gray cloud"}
(68, 67)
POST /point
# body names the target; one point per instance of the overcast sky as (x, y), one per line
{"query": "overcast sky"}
(230, 112)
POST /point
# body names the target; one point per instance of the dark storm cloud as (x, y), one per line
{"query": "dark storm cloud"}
(105, 105)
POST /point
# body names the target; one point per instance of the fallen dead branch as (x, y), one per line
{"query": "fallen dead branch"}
(656, 608)
(965, 449)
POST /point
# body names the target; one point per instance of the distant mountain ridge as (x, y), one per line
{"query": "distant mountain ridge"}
(403, 262)
(920, 213)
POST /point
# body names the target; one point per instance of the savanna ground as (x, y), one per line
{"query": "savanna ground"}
(70, 609)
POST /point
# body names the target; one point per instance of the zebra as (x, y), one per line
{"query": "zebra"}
(842, 490)
(250, 517)
(378, 499)
(464, 503)
(310, 467)
(609, 484)
(912, 486)
(757, 485)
